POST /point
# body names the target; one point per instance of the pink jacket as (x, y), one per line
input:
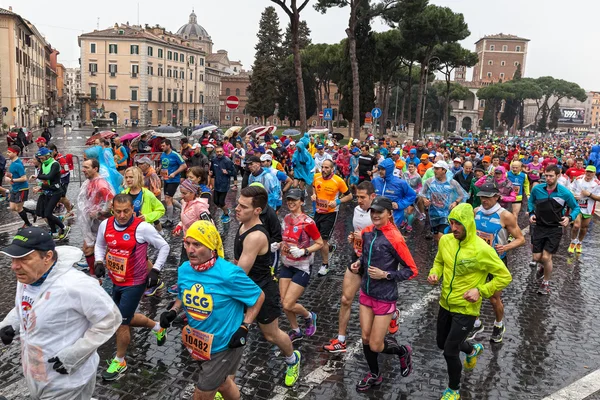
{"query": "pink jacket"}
(507, 193)
(190, 212)
(228, 149)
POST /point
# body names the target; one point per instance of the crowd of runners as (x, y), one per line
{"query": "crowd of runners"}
(474, 198)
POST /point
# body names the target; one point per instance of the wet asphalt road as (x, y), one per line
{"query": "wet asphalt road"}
(550, 341)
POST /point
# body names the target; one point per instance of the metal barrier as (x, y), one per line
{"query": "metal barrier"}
(29, 165)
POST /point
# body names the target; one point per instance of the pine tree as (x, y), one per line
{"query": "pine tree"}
(264, 82)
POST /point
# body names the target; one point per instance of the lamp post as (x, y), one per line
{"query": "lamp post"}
(431, 64)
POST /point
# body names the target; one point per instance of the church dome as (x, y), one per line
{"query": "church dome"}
(193, 30)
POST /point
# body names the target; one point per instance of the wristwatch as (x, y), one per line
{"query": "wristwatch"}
(306, 252)
(246, 325)
(388, 276)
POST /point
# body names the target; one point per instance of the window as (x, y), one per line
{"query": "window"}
(502, 75)
(181, 99)
(481, 103)
(336, 96)
(492, 47)
(113, 93)
(191, 97)
(181, 58)
(160, 97)
(112, 69)
(135, 70)
(201, 61)
(191, 59)
(237, 92)
(518, 48)
(182, 74)
(149, 94)
(169, 55)
(505, 48)
(160, 70)
(489, 74)
(159, 116)
(191, 76)
(134, 93)
(168, 95)
(112, 49)
(516, 63)
(160, 53)
(174, 96)
(490, 62)
(201, 77)
(134, 49)
(93, 92)
(201, 98)
(150, 51)
(325, 96)
(169, 73)
(92, 47)
(93, 68)
(227, 92)
(502, 63)
(150, 70)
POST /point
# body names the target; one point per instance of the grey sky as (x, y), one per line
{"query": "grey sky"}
(562, 33)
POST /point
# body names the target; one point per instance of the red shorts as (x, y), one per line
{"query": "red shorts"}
(379, 307)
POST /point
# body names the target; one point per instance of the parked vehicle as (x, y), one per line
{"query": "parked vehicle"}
(11, 138)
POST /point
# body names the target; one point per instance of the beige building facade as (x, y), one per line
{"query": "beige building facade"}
(72, 86)
(499, 56)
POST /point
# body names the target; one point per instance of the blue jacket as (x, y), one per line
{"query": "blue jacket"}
(395, 189)
(595, 157)
(549, 208)
(271, 184)
(222, 180)
(302, 162)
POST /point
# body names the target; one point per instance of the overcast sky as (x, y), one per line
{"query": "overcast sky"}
(562, 33)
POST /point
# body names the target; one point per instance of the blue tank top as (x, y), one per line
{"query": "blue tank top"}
(517, 181)
(489, 228)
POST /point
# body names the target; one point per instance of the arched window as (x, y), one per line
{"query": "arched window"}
(237, 92)
(227, 92)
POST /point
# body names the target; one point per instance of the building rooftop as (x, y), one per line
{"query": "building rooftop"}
(502, 36)
(4, 11)
(193, 30)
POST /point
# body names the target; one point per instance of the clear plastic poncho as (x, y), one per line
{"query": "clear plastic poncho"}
(93, 201)
(108, 168)
(441, 195)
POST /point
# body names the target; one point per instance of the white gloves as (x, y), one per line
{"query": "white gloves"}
(296, 252)
(275, 247)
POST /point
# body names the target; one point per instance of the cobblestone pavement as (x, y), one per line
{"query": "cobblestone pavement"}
(550, 341)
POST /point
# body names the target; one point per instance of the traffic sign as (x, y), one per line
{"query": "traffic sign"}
(232, 102)
(376, 112)
(320, 114)
(328, 114)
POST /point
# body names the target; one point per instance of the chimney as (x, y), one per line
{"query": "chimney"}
(10, 8)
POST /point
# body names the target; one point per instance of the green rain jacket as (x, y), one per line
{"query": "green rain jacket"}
(466, 264)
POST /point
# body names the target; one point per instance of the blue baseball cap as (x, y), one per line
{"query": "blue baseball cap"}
(43, 151)
(413, 151)
(355, 149)
(319, 146)
(260, 149)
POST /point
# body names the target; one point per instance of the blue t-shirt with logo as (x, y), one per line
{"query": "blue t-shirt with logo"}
(214, 299)
(171, 162)
(17, 170)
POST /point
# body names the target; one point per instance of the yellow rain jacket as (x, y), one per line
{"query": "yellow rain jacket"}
(466, 264)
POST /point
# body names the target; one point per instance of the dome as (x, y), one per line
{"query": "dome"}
(192, 29)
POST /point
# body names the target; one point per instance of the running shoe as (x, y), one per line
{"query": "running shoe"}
(335, 346)
(115, 369)
(403, 225)
(151, 291)
(368, 382)
(218, 396)
(578, 248)
(533, 264)
(161, 336)
(544, 288)
(406, 361)
(450, 394)
(497, 334)
(168, 224)
(226, 219)
(293, 370)
(475, 331)
(393, 327)
(311, 324)
(539, 274)
(295, 336)
(408, 229)
(571, 248)
(173, 289)
(471, 360)
(324, 270)
(64, 233)
(422, 217)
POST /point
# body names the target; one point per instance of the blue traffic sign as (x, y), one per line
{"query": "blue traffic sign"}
(328, 114)
(376, 112)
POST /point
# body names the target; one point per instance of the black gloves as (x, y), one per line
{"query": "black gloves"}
(58, 365)
(239, 337)
(152, 278)
(7, 334)
(99, 269)
(167, 317)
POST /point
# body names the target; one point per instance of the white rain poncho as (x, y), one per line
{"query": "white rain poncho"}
(69, 318)
(441, 195)
(93, 201)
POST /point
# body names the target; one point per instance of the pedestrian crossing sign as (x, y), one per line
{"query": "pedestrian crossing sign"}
(328, 114)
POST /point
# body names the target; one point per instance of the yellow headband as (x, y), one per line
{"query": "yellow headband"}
(207, 234)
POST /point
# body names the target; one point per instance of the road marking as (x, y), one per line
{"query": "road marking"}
(79, 137)
(578, 390)
(70, 138)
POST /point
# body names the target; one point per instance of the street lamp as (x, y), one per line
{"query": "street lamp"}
(431, 64)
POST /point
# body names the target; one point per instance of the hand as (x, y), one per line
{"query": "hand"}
(58, 365)
(8, 175)
(432, 279)
(274, 247)
(585, 193)
(99, 269)
(224, 171)
(313, 197)
(369, 173)
(376, 273)
(152, 278)
(501, 248)
(355, 267)
(332, 204)
(394, 205)
(33, 177)
(565, 221)
(170, 176)
(177, 230)
(296, 252)
(239, 338)
(351, 238)
(426, 202)
(472, 295)
(452, 205)
(36, 189)
(142, 217)
(167, 318)
(532, 219)
(7, 334)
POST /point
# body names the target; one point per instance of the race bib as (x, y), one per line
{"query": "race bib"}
(357, 244)
(164, 173)
(322, 205)
(583, 203)
(117, 265)
(517, 189)
(488, 237)
(198, 343)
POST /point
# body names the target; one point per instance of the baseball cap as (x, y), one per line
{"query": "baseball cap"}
(487, 159)
(144, 160)
(43, 151)
(319, 146)
(396, 151)
(196, 145)
(355, 149)
(590, 168)
(381, 203)
(413, 151)
(252, 159)
(488, 189)
(441, 164)
(432, 155)
(266, 157)
(457, 159)
(424, 157)
(40, 140)
(210, 146)
(295, 193)
(28, 240)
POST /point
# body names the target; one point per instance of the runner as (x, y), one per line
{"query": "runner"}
(586, 190)
(60, 316)
(385, 261)
(546, 208)
(520, 185)
(577, 171)
(266, 160)
(494, 225)
(327, 187)
(172, 165)
(463, 263)
(19, 188)
(220, 303)
(252, 253)
(151, 180)
(222, 170)
(65, 176)
(269, 181)
(395, 189)
(121, 248)
(413, 179)
(121, 155)
(321, 156)
(297, 256)
(366, 163)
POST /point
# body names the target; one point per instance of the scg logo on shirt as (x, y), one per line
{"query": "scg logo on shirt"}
(199, 305)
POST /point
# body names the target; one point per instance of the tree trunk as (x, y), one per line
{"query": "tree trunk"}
(326, 88)
(495, 117)
(402, 107)
(385, 109)
(350, 32)
(446, 113)
(409, 98)
(419, 110)
(295, 22)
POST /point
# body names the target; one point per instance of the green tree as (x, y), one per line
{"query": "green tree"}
(304, 39)
(293, 11)
(521, 89)
(263, 89)
(288, 92)
(554, 116)
(554, 90)
(494, 95)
